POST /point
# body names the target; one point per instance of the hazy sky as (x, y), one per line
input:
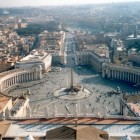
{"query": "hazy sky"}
(15, 3)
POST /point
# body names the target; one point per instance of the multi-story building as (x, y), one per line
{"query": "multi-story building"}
(134, 56)
(94, 55)
(53, 42)
(36, 57)
(6, 65)
(132, 41)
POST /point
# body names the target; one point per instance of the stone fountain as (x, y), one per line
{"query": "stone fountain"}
(72, 92)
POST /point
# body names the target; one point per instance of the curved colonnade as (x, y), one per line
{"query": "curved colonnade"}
(121, 72)
(21, 75)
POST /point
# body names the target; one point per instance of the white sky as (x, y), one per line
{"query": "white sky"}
(15, 3)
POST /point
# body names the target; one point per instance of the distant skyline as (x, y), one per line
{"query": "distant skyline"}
(20, 3)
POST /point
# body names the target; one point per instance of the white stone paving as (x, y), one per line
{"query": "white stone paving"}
(42, 91)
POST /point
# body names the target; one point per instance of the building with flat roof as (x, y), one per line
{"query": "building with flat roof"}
(53, 42)
(132, 41)
(36, 57)
(94, 55)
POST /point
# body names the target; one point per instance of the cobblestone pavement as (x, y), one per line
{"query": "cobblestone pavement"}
(41, 92)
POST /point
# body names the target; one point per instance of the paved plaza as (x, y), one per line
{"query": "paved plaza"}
(41, 92)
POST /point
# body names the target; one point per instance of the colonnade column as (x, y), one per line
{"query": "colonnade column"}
(32, 76)
(115, 74)
(40, 74)
(123, 75)
(108, 74)
(103, 73)
(133, 79)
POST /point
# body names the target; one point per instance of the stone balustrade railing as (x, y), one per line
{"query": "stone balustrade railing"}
(59, 116)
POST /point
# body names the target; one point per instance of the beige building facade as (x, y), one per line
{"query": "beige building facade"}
(121, 72)
(90, 58)
(21, 75)
(36, 57)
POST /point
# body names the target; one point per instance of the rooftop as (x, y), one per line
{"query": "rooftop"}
(34, 56)
(131, 37)
(100, 49)
(3, 102)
